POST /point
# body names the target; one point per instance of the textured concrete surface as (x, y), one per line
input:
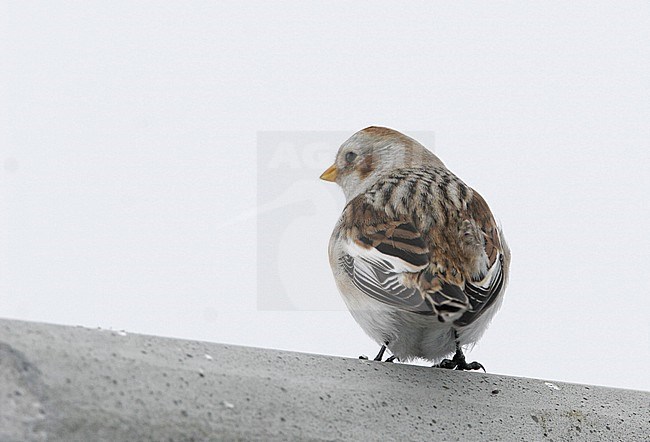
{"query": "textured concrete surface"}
(75, 384)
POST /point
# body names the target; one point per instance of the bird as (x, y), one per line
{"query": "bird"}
(416, 254)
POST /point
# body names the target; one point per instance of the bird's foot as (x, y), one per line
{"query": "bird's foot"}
(446, 363)
(380, 355)
(459, 363)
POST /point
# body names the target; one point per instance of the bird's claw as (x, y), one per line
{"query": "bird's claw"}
(446, 363)
(472, 366)
(459, 363)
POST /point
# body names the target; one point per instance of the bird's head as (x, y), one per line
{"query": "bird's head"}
(372, 153)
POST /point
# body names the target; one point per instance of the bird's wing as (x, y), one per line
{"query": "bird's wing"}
(382, 258)
(482, 239)
(452, 275)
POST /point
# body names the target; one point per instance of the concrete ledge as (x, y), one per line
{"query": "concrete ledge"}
(63, 383)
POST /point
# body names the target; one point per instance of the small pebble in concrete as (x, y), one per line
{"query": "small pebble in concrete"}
(228, 404)
(552, 386)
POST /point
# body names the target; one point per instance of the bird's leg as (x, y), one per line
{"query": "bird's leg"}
(458, 362)
(391, 359)
(380, 355)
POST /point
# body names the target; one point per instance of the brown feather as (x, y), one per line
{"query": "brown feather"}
(450, 234)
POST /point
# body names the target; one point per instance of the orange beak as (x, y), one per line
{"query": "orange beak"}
(329, 174)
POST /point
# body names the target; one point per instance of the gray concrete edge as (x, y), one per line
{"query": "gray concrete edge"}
(73, 383)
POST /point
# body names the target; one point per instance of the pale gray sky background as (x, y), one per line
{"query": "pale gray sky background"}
(133, 136)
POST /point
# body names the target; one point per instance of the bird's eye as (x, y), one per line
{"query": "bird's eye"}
(350, 156)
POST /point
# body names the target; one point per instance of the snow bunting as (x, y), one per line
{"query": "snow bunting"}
(416, 254)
